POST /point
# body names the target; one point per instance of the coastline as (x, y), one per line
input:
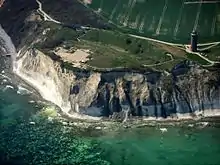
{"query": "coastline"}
(45, 94)
(48, 91)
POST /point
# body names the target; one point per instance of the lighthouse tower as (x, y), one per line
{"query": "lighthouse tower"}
(194, 40)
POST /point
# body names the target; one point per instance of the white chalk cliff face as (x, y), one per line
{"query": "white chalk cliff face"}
(183, 93)
(186, 92)
(41, 72)
(54, 83)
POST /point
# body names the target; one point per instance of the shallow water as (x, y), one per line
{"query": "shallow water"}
(50, 143)
(183, 146)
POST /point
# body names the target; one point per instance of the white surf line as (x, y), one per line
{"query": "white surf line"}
(195, 2)
(197, 17)
(179, 20)
(114, 9)
(161, 18)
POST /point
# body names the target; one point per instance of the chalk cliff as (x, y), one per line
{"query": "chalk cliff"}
(188, 90)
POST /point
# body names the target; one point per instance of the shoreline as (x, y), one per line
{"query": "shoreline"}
(65, 107)
(41, 91)
(82, 117)
(77, 116)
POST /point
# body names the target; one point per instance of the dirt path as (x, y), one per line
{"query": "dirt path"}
(211, 44)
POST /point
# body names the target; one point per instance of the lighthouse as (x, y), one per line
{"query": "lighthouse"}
(194, 40)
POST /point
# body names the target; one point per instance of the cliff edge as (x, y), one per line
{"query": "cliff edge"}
(85, 73)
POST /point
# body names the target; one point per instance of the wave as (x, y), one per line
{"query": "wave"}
(23, 91)
(4, 76)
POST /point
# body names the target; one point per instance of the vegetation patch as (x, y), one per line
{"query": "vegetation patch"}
(114, 49)
(48, 143)
(196, 58)
(213, 53)
(49, 111)
(140, 18)
(56, 35)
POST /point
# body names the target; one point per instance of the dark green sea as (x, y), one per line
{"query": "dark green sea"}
(52, 143)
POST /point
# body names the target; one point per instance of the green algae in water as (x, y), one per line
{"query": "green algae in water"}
(47, 143)
(149, 146)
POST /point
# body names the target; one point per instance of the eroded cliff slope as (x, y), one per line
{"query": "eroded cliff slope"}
(186, 91)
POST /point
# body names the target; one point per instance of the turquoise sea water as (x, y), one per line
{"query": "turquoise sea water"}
(181, 146)
(51, 143)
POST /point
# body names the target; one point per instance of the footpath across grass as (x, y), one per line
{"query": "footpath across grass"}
(114, 49)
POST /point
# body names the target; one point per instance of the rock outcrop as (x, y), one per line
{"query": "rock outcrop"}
(187, 91)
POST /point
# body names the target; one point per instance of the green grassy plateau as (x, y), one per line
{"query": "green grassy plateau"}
(169, 20)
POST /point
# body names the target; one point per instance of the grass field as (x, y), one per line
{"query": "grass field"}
(114, 49)
(111, 49)
(213, 53)
(169, 20)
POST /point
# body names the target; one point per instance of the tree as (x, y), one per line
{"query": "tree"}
(128, 41)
